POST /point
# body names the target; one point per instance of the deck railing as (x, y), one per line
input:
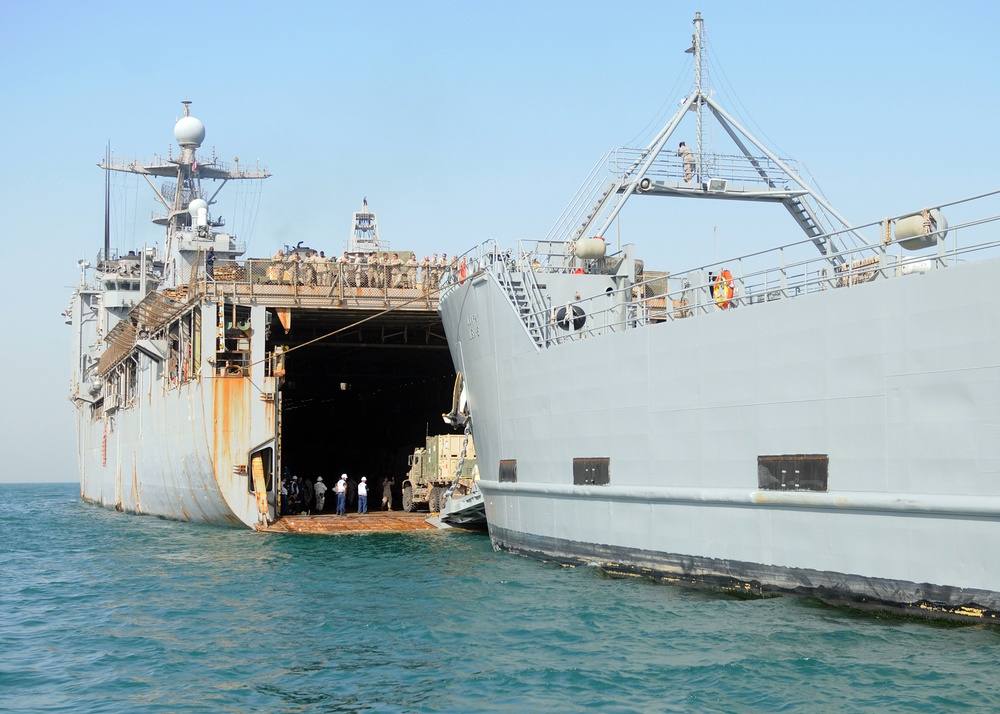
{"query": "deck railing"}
(283, 283)
(787, 272)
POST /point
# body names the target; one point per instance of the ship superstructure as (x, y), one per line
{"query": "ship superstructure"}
(794, 420)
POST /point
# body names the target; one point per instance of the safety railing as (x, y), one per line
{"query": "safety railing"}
(773, 275)
(737, 168)
(280, 282)
(787, 272)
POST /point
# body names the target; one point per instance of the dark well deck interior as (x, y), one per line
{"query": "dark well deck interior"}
(361, 400)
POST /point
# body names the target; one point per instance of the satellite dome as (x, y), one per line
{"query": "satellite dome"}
(189, 131)
(196, 205)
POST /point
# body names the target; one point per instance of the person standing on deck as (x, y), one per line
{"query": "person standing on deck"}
(425, 274)
(374, 271)
(210, 264)
(435, 275)
(306, 487)
(275, 269)
(358, 268)
(395, 270)
(320, 490)
(342, 263)
(294, 272)
(363, 495)
(383, 272)
(308, 269)
(411, 272)
(341, 490)
(324, 269)
(294, 496)
(687, 156)
(387, 484)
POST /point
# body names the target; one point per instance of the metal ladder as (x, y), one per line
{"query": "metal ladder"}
(598, 208)
(588, 203)
(810, 223)
(526, 297)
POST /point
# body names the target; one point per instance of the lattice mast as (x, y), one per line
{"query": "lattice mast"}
(185, 201)
(745, 176)
(700, 81)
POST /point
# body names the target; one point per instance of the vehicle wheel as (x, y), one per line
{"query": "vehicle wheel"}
(408, 498)
(432, 499)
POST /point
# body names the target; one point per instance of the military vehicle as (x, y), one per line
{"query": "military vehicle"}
(433, 468)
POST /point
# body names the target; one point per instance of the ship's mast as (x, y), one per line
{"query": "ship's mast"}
(697, 47)
(187, 219)
(754, 174)
(107, 208)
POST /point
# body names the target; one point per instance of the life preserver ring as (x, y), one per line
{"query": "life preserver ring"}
(570, 316)
(578, 271)
(722, 291)
(461, 271)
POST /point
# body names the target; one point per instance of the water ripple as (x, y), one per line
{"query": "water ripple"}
(106, 612)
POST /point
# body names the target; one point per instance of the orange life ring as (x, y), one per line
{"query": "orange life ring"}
(722, 291)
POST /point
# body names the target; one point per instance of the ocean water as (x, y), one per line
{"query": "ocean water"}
(108, 612)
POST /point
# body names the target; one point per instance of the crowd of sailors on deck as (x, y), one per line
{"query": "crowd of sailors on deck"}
(304, 495)
(376, 270)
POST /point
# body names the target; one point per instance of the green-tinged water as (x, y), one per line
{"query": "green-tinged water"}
(107, 612)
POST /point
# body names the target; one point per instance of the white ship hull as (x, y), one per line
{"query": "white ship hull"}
(896, 382)
(180, 449)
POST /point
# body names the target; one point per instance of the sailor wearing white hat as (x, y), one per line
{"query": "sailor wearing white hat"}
(341, 490)
(363, 495)
(320, 490)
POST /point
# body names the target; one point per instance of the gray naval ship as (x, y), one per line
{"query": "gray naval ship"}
(202, 381)
(822, 418)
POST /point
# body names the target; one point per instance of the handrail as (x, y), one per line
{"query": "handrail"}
(759, 277)
(317, 285)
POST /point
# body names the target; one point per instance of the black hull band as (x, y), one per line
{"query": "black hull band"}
(924, 600)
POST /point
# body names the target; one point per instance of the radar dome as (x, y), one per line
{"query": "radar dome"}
(197, 205)
(189, 131)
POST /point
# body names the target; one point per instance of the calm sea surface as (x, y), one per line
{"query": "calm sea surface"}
(106, 612)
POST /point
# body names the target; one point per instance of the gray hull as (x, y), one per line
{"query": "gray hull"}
(180, 449)
(466, 511)
(896, 382)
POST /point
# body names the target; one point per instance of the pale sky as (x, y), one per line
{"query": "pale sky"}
(459, 122)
